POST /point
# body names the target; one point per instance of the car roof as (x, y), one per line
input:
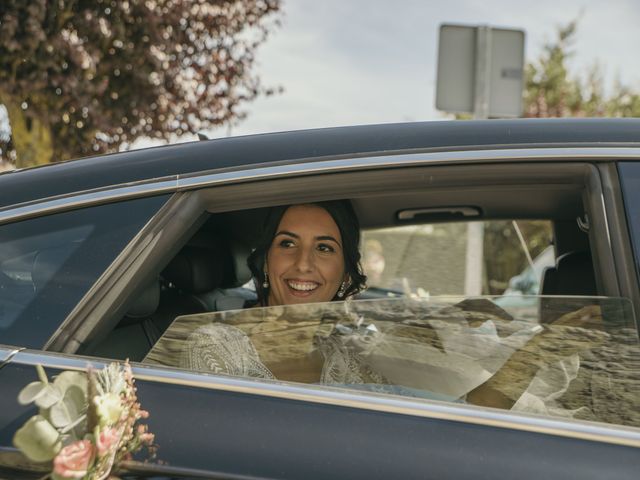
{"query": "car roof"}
(311, 145)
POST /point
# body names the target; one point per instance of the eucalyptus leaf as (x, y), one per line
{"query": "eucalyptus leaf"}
(42, 375)
(29, 393)
(49, 396)
(69, 408)
(67, 379)
(76, 428)
(38, 440)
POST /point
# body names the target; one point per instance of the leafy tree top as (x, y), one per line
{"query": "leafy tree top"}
(93, 74)
(551, 91)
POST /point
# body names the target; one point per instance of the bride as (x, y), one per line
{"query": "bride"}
(306, 254)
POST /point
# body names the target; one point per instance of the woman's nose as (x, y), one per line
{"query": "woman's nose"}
(304, 260)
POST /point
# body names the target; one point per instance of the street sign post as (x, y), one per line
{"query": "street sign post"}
(480, 71)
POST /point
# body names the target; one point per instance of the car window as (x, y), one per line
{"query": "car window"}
(630, 179)
(582, 363)
(48, 263)
(479, 258)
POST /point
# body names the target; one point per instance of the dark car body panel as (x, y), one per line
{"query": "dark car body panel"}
(259, 436)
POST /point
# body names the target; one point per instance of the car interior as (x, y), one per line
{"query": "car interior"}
(206, 270)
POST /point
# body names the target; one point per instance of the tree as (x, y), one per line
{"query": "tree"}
(551, 91)
(84, 76)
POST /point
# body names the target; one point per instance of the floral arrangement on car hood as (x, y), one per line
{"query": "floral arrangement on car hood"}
(87, 422)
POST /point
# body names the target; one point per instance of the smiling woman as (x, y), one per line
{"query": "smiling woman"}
(308, 253)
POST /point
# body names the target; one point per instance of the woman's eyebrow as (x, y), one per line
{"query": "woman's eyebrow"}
(327, 237)
(295, 235)
(290, 234)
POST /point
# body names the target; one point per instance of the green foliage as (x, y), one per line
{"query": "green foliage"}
(62, 408)
(38, 439)
(95, 74)
(551, 91)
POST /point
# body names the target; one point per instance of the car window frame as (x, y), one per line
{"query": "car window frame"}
(245, 190)
(223, 191)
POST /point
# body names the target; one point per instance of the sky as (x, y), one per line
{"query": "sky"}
(348, 62)
(352, 62)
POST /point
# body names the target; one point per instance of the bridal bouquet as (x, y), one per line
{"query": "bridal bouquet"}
(87, 422)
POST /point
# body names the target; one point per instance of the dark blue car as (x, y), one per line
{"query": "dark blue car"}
(142, 255)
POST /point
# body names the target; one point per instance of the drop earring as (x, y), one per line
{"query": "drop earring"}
(265, 284)
(342, 290)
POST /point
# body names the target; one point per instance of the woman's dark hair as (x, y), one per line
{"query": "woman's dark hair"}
(343, 214)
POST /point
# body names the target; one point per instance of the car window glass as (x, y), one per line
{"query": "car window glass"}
(48, 263)
(630, 178)
(472, 258)
(581, 363)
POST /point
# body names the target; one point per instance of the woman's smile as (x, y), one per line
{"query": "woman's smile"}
(301, 286)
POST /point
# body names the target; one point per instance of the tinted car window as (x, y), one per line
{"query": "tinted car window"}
(580, 364)
(48, 263)
(630, 178)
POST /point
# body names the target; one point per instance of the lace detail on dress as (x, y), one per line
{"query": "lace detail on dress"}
(344, 365)
(223, 349)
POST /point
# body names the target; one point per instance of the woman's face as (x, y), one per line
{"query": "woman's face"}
(305, 262)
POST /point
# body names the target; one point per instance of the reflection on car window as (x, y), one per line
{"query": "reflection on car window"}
(48, 263)
(29, 267)
(584, 364)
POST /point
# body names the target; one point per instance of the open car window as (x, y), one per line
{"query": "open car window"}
(573, 357)
(458, 258)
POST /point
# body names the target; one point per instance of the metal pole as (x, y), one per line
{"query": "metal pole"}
(482, 89)
(475, 230)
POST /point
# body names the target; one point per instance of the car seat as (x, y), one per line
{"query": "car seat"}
(572, 275)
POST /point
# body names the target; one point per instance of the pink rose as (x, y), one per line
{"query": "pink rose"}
(74, 460)
(147, 438)
(107, 440)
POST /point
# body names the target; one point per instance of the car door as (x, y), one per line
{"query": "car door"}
(233, 428)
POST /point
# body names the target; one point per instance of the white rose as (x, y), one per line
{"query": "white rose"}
(108, 408)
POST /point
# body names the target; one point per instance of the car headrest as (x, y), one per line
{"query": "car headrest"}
(572, 275)
(146, 302)
(548, 282)
(242, 272)
(575, 274)
(199, 269)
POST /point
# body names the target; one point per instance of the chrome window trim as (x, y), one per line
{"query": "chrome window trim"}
(7, 354)
(568, 428)
(87, 198)
(303, 167)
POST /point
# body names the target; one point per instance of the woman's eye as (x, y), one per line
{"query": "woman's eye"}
(326, 248)
(286, 243)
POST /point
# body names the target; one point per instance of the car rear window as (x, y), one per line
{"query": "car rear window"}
(47, 264)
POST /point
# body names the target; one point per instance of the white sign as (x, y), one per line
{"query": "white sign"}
(480, 71)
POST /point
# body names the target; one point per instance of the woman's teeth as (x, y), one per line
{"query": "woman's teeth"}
(303, 286)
